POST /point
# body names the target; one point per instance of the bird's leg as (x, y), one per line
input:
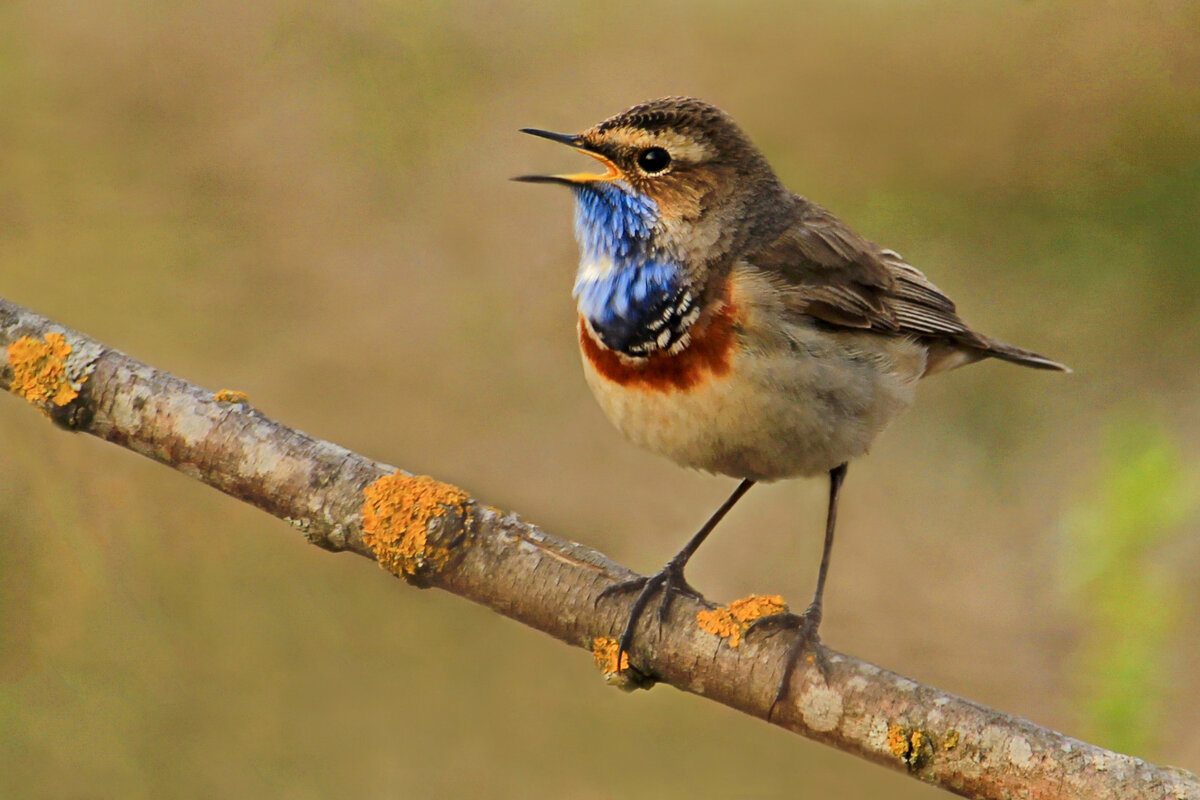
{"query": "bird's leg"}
(670, 578)
(806, 624)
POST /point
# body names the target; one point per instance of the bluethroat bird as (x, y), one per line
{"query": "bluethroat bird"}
(736, 327)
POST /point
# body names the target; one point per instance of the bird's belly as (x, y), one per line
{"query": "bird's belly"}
(760, 414)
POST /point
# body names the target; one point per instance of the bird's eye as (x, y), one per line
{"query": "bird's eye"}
(653, 159)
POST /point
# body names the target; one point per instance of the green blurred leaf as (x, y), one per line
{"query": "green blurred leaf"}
(1121, 579)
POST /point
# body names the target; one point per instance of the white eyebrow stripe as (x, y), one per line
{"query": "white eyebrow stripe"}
(681, 147)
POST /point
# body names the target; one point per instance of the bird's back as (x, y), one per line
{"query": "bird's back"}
(828, 272)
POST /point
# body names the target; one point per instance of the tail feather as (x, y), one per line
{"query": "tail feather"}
(1017, 355)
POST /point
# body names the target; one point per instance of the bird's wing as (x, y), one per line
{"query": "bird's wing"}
(827, 272)
(830, 273)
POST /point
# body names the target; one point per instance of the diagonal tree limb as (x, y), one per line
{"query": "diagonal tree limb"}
(434, 534)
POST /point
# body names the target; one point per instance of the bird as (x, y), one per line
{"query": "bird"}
(736, 327)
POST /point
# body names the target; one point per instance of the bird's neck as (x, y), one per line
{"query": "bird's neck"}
(635, 295)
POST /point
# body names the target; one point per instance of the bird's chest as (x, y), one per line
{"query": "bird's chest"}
(752, 397)
(671, 402)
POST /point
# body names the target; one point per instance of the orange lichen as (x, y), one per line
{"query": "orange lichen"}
(604, 653)
(912, 746)
(396, 519)
(898, 742)
(231, 396)
(40, 370)
(731, 621)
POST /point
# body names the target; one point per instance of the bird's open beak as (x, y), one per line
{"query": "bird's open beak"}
(573, 140)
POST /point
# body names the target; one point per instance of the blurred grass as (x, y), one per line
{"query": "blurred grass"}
(308, 202)
(1123, 573)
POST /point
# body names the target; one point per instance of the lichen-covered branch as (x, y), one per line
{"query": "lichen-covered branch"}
(433, 534)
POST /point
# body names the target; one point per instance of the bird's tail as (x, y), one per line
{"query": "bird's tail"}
(1017, 355)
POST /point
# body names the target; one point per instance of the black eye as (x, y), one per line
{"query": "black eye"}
(653, 159)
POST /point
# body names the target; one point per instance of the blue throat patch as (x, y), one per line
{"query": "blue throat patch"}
(631, 306)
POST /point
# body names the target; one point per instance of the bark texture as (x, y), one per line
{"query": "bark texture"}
(434, 534)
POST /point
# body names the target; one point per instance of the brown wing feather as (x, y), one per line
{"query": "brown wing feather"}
(834, 275)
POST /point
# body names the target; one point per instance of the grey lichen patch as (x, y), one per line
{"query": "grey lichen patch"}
(857, 684)
(1019, 752)
(85, 355)
(821, 707)
(193, 429)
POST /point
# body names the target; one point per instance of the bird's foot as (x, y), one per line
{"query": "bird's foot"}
(669, 580)
(805, 625)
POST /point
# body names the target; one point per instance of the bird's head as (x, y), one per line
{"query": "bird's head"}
(679, 173)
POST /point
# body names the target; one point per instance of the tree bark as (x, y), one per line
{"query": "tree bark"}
(434, 534)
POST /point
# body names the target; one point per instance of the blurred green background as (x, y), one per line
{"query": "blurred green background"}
(308, 201)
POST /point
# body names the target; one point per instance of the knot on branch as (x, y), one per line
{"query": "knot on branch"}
(414, 524)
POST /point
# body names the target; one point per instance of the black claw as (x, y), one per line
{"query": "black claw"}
(669, 580)
(807, 641)
(775, 623)
(623, 586)
(664, 606)
(675, 584)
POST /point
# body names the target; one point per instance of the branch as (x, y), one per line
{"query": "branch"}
(434, 534)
